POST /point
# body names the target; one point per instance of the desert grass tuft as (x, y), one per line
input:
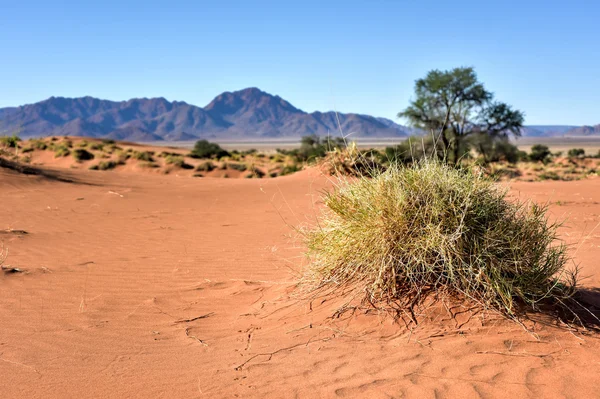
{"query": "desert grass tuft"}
(429, 229)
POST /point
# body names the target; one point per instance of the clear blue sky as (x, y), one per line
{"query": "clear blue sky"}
(542, 57)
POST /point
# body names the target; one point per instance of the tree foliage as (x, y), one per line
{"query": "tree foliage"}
(454, 105)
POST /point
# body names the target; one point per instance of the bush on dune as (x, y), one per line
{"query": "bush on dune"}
(10, 141)
(81, 154)
(431, 229)
(206, 149)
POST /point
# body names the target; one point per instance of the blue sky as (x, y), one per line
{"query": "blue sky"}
(543, 57)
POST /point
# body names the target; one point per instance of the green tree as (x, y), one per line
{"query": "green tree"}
(454, 105)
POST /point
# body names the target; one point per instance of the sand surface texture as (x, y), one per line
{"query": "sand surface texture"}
(148, 286)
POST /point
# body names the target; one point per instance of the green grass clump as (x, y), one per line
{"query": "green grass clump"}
(61, 150)
(430, 229)
(82, 154)
(39, 144)
(10, 141)
(237, 166)
(207, 166)
(105, 165)
(96, 146)
(178, 161)
(143, 156)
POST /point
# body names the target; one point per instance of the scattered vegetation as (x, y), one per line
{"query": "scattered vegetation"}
(431, 230)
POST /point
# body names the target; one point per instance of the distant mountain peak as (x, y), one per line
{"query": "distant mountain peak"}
(249, 113)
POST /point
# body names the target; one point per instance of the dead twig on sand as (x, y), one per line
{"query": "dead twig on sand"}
(520, 354)
(187, 334)
(204, 316)
(271, 354)
(9, 269)
(13, 231)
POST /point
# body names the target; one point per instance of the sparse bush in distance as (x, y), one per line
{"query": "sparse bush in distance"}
(61, 150)
(576, 153)
(206, 166)
(123, 157)
(10, 141)
(39, 144)
(143, 156)
(494, 149)
(549, 175)
(177, 160)
(206, 149)
(432, 230)
(289, 169)
(96, 146)
(313, 147)
(105, 165)
(237, 166)
(540, 153)
(256, 172)
(81, 154)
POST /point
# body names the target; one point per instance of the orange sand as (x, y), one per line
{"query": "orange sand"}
(144, 286)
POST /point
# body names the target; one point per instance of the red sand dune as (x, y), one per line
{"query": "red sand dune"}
(145, 286)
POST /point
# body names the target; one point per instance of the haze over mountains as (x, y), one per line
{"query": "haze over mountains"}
(246, 114)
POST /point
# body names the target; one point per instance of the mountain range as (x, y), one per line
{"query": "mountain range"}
(246, 114)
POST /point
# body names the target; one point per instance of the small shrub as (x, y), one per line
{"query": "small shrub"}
(26, 150)
(105, 165)
(10, 141)
(96, 146)
(39, 144)
(122, 160)
(549, 175)
(540, 153)
(236, 166)
(143, 156)
(576, 153)
(206, 149)
(81, 154)
(205, 167)
(108, 141)
(289, 169)
(431, 230)
(255, 172)
(178, 161)
(61, 150)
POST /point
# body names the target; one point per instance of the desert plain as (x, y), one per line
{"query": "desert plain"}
(135, 284)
